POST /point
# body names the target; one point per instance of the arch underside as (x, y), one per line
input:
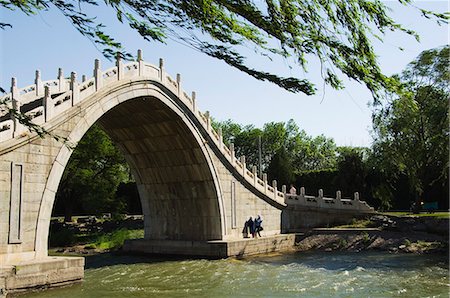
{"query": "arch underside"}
(175, 180)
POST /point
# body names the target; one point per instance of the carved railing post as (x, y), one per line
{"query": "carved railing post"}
(255, 175)
(83, 78)
(140, 63)
(16, 104)
(208, 121)
(338, 195)
(38, 82)
(356, 196)
(302, 191)
(179, 90)
(194, 104)
(61, 80)
(232, 153)
(48, 104)
(283, 189)
(275, 190)
(119, 65)
(220, 134)
(74, 87)
(244, 166)
(161, 70)
(320, 193)
(264, 178)
(98, 77)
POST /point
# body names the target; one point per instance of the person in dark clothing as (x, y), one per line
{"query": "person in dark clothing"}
(258, 226)
(248, 228)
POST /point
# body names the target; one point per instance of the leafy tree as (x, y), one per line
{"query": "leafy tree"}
(411, 130)
(92, 176)
(285, 149)
(281, 168)
(351, 166)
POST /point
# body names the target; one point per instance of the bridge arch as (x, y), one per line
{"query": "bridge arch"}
(192, 185)
(176, 177)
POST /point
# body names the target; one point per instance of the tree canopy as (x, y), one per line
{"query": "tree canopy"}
(336, 32)
(411, 130)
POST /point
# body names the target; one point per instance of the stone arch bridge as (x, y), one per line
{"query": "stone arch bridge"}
(192, 186)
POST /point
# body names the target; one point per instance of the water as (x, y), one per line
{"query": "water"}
(287, 275)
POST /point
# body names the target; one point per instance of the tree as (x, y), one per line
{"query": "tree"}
(411, 130)
(92, 176)
(351, 167)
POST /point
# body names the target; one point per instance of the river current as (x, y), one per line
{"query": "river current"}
(318, 274)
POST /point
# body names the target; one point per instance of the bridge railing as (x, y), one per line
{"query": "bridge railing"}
(320, 201)
(45, 100)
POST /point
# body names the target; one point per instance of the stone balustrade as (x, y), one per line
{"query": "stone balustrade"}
(46, 100)
(319, 201)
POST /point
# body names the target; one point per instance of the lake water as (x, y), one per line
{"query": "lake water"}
(318, 274)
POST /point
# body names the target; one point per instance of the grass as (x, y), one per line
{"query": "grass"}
(102, 241)
(116, 239)
(357, 223)
(423, 214)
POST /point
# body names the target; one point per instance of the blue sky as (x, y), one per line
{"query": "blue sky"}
(48, 41)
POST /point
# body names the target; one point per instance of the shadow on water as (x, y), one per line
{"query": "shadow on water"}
(339, 261)
(119, 258)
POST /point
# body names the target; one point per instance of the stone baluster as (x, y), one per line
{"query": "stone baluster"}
(16, 104)
(98, 77)
(255, 175)
(275, 190)
(119, 64)
(302, 191)
(220, 134)
(38, 83)
(194, 104)
(232, 153)
(179, 90)
(338, 195)
(208, 121)
(264, 178)
(83, 78)
(283, 189)
(140, 61)
(320, 193)
(161, 70)
(74, 87)
(61, 80)
(356, 196)
(48, 104)
(244, 166)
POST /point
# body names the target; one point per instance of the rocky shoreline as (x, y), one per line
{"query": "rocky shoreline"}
(383, 233)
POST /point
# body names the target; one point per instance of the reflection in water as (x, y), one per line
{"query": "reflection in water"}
(286, 275)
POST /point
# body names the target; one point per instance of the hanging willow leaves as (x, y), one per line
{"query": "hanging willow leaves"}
(338, 33)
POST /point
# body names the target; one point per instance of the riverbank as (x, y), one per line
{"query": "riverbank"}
(378, 233)
(383, 233)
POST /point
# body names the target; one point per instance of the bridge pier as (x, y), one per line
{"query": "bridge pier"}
(215, 248)
(40, 273)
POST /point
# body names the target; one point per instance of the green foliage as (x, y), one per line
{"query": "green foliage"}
(116, 239)
(318, 179)
(92, 176)
(281, 168)
(411, 130)
(351, 169)
(337, 33)
(62, 237)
